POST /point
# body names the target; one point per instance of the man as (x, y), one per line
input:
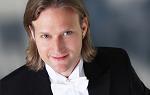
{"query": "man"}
(61, 59)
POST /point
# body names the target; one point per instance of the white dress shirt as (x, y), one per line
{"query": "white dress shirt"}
(75, 84)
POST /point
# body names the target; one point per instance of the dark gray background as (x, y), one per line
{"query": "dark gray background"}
(114, 23)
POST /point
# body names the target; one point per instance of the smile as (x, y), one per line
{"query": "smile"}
(59, 57)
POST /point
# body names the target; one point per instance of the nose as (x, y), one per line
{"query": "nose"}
(58, 45)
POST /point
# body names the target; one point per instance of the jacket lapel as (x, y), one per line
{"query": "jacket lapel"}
(99, 78)
(42, 83)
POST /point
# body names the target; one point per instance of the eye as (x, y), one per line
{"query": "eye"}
(44, 36)
(67, 33)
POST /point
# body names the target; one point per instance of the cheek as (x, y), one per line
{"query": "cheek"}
(42, 48)
(75, 43)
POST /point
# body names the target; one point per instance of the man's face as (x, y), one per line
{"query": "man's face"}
(58, 36)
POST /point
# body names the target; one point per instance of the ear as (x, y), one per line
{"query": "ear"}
(84, 26)
(32, 32)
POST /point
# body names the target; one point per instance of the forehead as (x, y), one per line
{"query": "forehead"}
(53, 16)
(61, 10)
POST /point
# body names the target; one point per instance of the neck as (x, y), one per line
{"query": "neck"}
(70, 70)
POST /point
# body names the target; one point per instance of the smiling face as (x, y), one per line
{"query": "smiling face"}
(58, 36)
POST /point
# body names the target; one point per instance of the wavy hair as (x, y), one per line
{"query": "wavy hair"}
(32, 12)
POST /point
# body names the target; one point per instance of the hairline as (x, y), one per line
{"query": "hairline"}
(58, 6)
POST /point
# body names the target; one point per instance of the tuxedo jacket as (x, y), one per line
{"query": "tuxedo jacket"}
(110, 73)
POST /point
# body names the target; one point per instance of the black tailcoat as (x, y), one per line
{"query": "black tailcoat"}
(110, 73)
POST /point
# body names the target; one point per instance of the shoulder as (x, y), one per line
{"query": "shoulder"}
(107, 59)
(123, 74)
(111, 55)
(118, 62)
(21, 76)
(23, 80)
(116, 58)
(110, 51)
(17, 74)
(17, 81)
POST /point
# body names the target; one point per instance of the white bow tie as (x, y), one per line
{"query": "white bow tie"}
(70, 87)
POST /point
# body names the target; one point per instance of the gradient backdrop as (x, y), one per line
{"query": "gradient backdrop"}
(114, 23)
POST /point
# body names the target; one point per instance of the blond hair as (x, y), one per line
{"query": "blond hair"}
(32, 12)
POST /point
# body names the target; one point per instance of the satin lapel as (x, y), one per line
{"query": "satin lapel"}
(99, 79)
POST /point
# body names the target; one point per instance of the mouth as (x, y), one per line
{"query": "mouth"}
(59, 58)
